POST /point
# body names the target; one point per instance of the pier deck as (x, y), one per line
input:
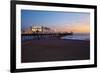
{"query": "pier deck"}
(46, 35)
(49, 34)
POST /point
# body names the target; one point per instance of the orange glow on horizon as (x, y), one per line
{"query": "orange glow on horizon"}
(78, 28)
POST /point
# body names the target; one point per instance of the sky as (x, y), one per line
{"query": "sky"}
(78, 22)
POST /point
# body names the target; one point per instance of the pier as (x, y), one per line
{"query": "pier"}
(41, 32)
(46, 35)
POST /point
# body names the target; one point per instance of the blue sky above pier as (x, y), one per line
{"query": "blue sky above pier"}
(60, 21)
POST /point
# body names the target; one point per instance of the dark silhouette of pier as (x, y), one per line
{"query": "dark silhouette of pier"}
(57, 35)
(41, 32)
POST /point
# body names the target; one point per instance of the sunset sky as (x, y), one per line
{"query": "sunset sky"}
(59, 21)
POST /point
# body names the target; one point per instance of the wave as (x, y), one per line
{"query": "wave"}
(78, 37)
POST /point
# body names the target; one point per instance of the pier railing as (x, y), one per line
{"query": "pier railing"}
(39, 36)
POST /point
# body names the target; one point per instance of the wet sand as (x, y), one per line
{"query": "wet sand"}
(54, 50)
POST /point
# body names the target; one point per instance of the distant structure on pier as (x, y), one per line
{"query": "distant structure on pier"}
(37, 29)
(41, 29)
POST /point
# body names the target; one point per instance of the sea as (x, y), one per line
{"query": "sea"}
(75, 36)
(78, 36)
